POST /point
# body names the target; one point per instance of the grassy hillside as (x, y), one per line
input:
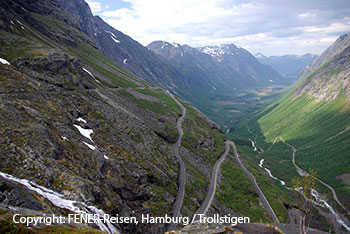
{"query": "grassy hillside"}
(238, 193)
(308, 124)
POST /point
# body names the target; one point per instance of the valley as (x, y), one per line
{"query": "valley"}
(94, 123)
(308, 124)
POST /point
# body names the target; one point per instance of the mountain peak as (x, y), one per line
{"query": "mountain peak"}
(259, 55)
(164, 44)
(218, 51)
(235, 66)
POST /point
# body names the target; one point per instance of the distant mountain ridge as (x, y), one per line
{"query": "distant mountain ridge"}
(187, 71)
(235, 58)
(222, 66)
(287, 65)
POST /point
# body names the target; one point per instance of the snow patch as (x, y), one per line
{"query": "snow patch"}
(85, 132)
(22, 26)
(125, 61)
(115, 40)
(175, 44)
(4, 61)
(89, 145)
(105, 157)
(12, 22)
(81, 120)
(59, 200)
(164, 45)
(85, 70)
(111, 33)
(19, 22)
(213, 51)
(91, 75)
(64, 138)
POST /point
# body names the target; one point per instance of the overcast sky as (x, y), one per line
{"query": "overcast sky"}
(273, 27)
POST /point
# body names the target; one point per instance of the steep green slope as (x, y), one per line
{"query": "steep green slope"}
(314, 117)
(307, 124)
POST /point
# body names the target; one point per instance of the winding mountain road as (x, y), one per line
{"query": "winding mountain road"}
(182, 169)
(263, 199)
(300, 171)
(338, 134)
(304, 173)
(334, 194)
(212, 187)
(213, 182)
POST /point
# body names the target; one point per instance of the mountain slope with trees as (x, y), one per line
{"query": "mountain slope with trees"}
(315, 118)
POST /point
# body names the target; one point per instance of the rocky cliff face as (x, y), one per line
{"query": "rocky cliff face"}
(329, 76)
(79, 125)
(336, 48)
(81, 13)
(122, 49)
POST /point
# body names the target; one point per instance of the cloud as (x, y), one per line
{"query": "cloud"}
(255, 24)
(174, 17)
(307, 15)
(333, 28)
(95, 6)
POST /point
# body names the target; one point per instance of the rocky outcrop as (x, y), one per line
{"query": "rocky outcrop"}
(336, 48)
(329, 76)
(75, 123)
(34, 13)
